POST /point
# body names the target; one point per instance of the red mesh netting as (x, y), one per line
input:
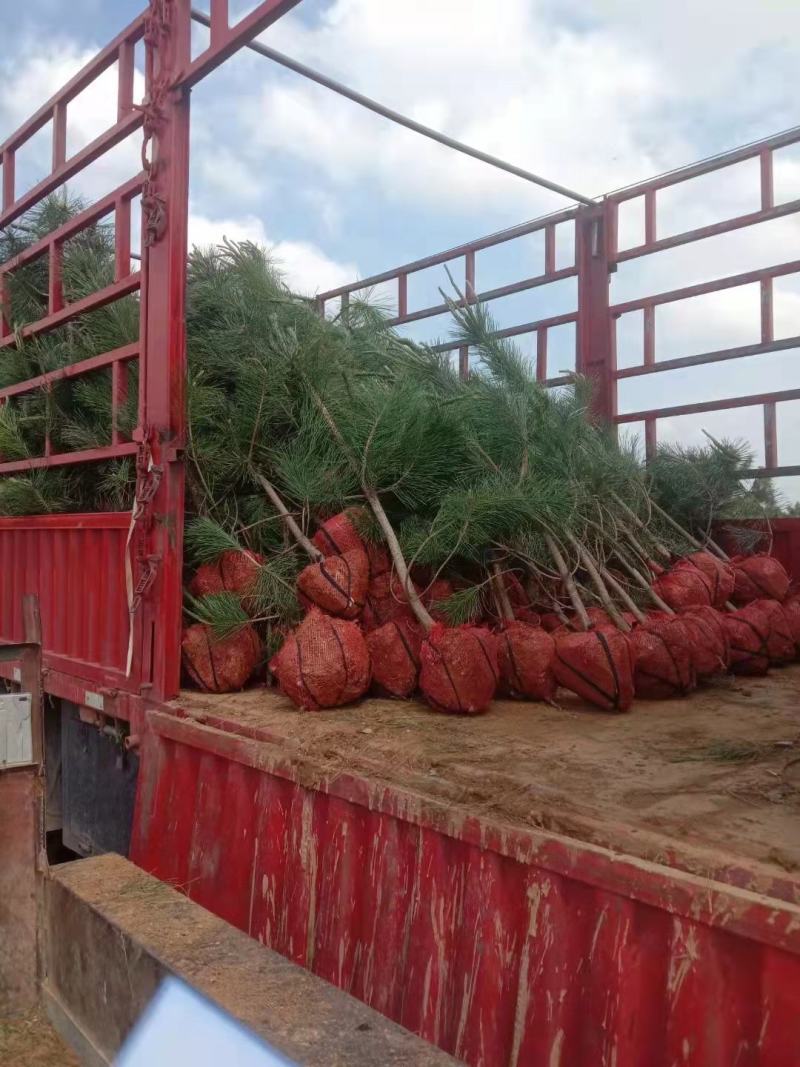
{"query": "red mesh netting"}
(518, 598)
(662, 658)
(684, 586)
(601, 620)
(708, 641)
(220, 666)
(720, 574)
(394, 651)
(459, 668)
(598, 666)
(438, 590)
(339, 535)
(759, 576)
(324, 663)
(747, 639)
(233, 572)
(338, 584)
(780, 639)
(525, 659)
(385, 601)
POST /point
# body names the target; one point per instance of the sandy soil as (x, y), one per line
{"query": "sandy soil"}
(30, 1041)
(714, 771)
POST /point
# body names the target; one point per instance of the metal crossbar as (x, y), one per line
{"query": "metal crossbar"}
(402, 120)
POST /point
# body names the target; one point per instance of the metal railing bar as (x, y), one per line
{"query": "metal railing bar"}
(403, 120)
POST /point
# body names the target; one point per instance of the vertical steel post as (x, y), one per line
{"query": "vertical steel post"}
(595, 356)
(165, 203)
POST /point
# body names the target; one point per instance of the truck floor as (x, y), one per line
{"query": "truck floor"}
(705, 782)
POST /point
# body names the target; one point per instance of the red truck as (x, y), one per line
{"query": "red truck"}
(539, 887)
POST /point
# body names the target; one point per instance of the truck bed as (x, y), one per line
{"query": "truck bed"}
(710, 784)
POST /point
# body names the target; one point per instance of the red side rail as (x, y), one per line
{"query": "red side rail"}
(597, 257)
(76, 564)
(396, 280)
(652, 245)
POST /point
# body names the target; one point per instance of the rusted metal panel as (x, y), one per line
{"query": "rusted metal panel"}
(501, 946)
(75, 564)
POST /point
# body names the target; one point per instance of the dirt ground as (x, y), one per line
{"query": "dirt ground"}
(30, 1041)
(718, 771)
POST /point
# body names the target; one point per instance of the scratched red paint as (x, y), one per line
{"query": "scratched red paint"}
(503, 947)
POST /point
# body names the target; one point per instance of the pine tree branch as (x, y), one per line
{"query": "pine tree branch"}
(289, 521)
(685, 533)
(597, 581)
(499, 586)
(568, 581)
(382, 518)
(642, 581)
(662, 550)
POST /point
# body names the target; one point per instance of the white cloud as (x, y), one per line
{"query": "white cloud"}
(306, 268)
(29, 82)
(565, 104)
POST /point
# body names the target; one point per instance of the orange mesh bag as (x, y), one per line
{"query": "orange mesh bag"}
(324, 663)
(708, 641)
(220, 665)
(394, 650)
(386, 601)
(340, 534)
(596, 665)
(685, 586)
(720, 574)
(525, 659)
(662, 658)
(780, 639)
(758, 577)
(747, 639)
(233, 572)
(337, 584)
(458, 668)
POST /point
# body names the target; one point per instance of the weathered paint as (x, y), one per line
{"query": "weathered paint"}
(501, 946)
(75, 564)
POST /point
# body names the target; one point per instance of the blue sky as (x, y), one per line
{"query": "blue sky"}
(594, 94)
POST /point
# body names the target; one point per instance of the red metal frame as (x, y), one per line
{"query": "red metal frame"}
(468, 253)
(597, 257)
(648, 190)
(85, 615)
